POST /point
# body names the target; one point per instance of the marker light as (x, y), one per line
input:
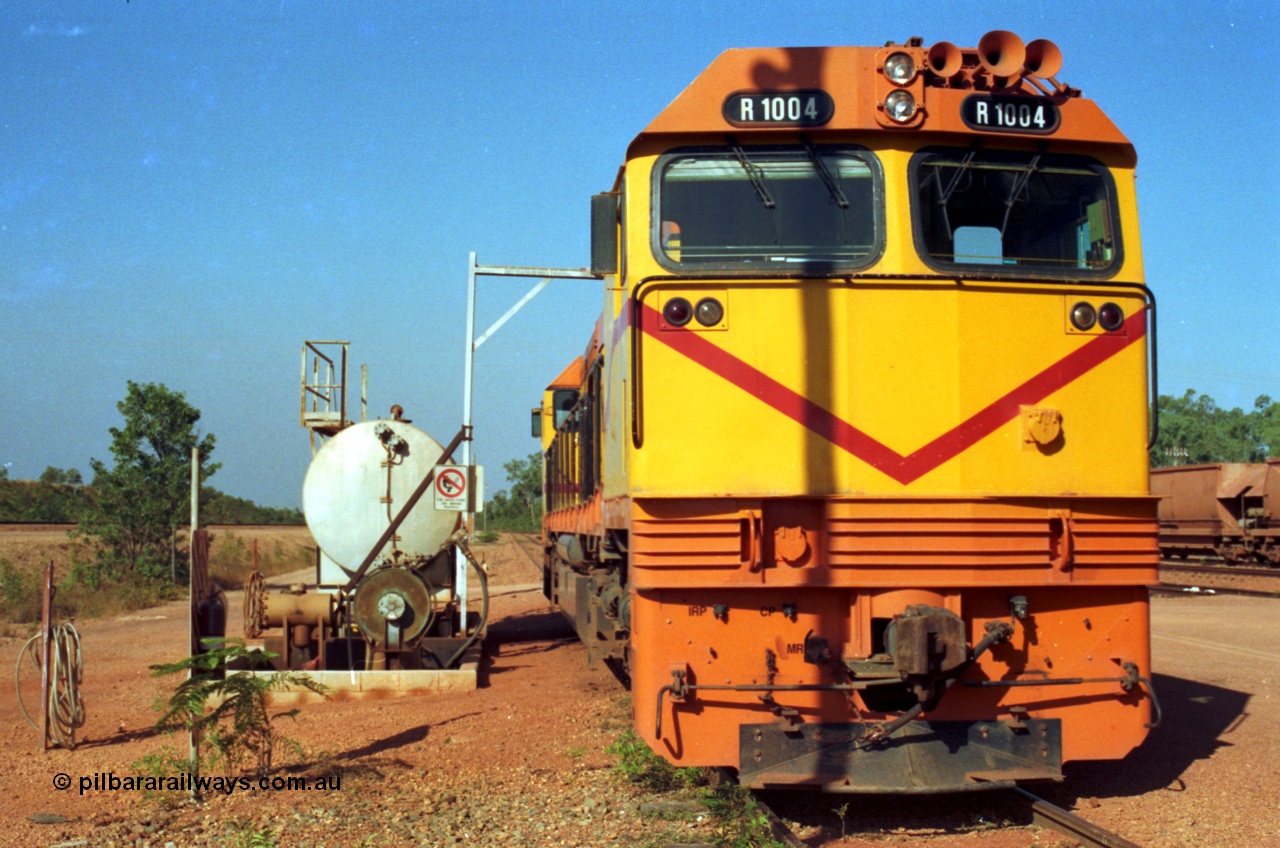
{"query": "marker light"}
(709, 312)
(1110, 317)
(899, 68)
(677, 311)
(900, 106)
(1083, 316)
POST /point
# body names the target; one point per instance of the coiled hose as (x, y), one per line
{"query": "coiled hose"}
(484, 608)
(65, 709)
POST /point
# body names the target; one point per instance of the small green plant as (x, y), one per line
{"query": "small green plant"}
(487, 537)
(980, 822)
(575, 752)
(166, 764)
(741, 824)
(841, 811)
(640, 765)
(239, 729)
(245, 835)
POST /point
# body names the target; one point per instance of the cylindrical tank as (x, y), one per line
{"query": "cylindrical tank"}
(361, 479)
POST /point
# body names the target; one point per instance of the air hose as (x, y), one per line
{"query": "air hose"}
(65, 709)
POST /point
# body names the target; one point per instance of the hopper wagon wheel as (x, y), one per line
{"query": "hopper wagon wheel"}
(255, 605)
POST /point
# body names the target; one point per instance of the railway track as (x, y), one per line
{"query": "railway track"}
(1184, 576)
(1031, 808)
(530, 544)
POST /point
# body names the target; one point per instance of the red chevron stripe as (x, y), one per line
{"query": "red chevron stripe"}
(844, 435)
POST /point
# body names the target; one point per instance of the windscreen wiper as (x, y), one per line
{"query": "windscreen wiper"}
(833, 187)
(756, 175)
(945, 190)
(1020, 181)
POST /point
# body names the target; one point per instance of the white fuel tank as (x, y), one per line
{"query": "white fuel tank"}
(361, 479)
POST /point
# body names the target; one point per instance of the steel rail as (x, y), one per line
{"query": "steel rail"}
(1088, 834)
(1233, 579)
(1241, 570)
(516, 537)
(1043, 814)
(777, 827)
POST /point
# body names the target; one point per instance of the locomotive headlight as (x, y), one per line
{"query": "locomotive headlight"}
(677, 311)
(900, 106)
(1083, 316)
(1110, 317)
(709, 312)
(900, 69)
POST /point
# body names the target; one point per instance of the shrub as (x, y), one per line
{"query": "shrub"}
(240, 729)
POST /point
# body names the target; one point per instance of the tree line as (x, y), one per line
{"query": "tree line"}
(55, 499)
(1195, 430)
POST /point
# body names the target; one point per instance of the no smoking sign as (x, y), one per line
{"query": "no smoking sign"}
(451, 487)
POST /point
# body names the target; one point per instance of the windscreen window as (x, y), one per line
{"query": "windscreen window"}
(789, 209)
(1020, 212)
(563, 401)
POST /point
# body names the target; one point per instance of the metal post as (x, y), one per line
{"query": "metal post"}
(193, 737)
(474, 270)
(460, 562)
(46, 653)
(342, 416)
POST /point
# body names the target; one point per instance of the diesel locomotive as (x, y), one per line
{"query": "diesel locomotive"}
(851, 477)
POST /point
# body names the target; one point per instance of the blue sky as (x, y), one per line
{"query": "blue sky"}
(189, 190)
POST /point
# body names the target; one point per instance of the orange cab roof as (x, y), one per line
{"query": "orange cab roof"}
(570, 377)
(853, 78)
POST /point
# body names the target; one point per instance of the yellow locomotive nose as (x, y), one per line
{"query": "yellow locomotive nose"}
(852, 475)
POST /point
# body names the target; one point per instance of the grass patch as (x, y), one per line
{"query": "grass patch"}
(737, 820)
(20, 592)
(246, 835)
(164, 765)
(638, 764)
(740, 823)
(231, 558)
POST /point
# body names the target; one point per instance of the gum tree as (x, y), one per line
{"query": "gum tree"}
(144, 497)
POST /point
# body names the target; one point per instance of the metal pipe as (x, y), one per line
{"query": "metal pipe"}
(754, 687)
(530, 271)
